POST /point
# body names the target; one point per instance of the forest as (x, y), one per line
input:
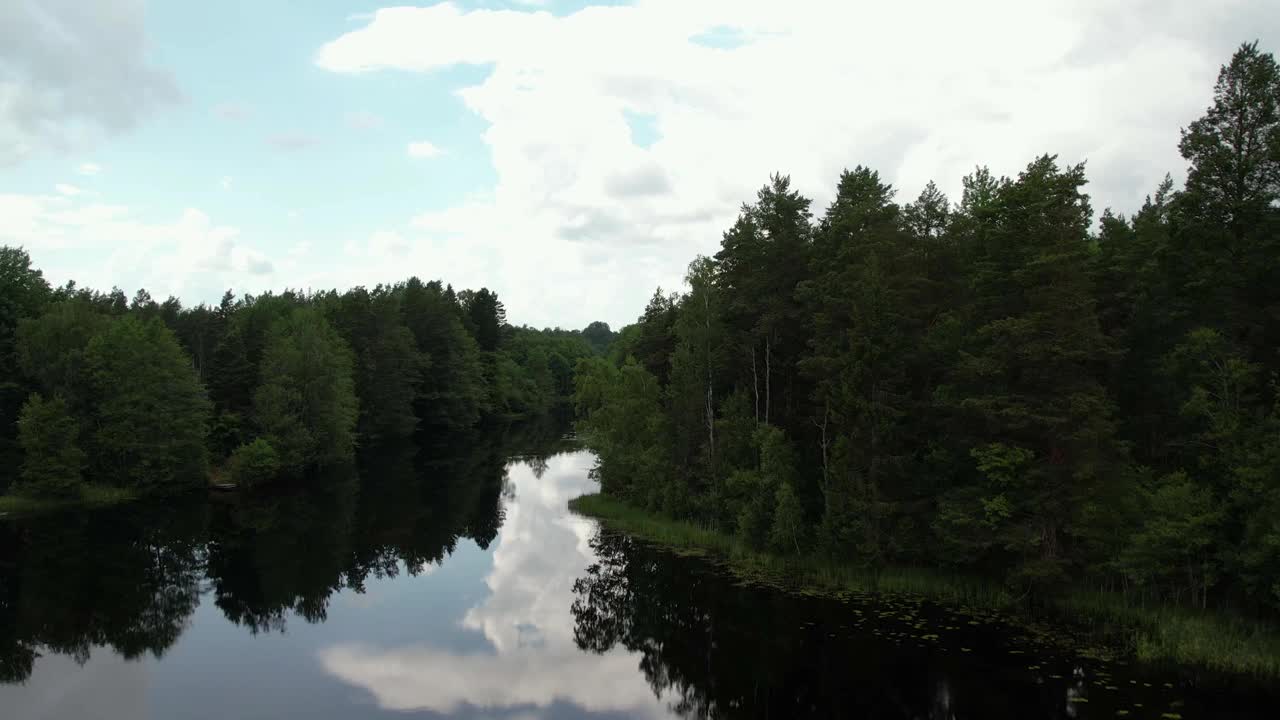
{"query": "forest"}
(998, 385)
(105, 394)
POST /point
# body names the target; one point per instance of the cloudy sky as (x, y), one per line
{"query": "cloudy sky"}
(570, 156)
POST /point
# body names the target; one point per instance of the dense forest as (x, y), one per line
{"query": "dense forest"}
(997, 385)
(145, 395)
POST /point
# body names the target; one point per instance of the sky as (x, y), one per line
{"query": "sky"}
(570, 156)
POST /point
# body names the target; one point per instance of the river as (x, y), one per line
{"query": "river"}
(463, 588)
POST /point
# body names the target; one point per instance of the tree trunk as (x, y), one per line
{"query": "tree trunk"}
(825, 444)
(711, 401)
(873, 465)
(711, 424)
(755, 381)
(1204, 592)
(768, 347)
(1191, 580)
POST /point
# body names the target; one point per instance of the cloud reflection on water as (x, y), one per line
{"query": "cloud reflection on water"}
(532, 658)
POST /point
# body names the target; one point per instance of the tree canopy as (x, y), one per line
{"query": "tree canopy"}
(996, 384)
(150, 395)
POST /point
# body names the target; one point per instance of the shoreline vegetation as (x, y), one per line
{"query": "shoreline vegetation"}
(103, 398)
(1158, 634)
(89, 496)
(1082, 407)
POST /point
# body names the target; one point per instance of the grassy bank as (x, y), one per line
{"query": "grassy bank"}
(1164, 633)
(803, 573)
(90, 496)
(1155, 634)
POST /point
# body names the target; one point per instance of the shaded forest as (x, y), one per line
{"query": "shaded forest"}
(146, 395)
(999, 384)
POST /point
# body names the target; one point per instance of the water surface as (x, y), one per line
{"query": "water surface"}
(463, 588)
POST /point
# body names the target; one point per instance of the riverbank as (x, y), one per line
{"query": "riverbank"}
(90, 496)
(1160, 634)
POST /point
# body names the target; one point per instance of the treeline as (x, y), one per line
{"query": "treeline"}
(145, 395)
(990, 385)
(129, 579)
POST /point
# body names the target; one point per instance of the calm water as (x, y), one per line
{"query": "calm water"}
(463, 588)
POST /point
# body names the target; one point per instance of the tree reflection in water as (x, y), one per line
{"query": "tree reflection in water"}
(129, 578)
(728, 652)
(555, 617)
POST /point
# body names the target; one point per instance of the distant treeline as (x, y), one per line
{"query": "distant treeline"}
(147, 395)
(989, 385)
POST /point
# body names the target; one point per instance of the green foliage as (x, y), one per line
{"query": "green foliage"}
(788, 521)
(308, 375)
(992, 385)
(621, 414)
(23, 291)
(598, 336)
(1174, 544)
(695, 360)
(1002, 465)
(388, 365)
(534, 370)
(996, 384)
(253, 463)
(453, 393)
(50, 439)
(305, 405)
(23, 294)
(1234, 149)
(88, 496)
(149, 411)
(1161, 633)
(755, 500)
(51, 347)
(487, 316)
(777, 456)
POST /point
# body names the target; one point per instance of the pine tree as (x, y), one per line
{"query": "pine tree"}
(860, 332)
(1041, 421)
(1230, 226)
(452, 395)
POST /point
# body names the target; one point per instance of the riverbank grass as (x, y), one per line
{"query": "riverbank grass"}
(1159, 634)
(1163, 633)
(90, 496)
(805, 573)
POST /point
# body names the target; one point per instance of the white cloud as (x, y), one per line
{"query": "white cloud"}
(813, 88)
(225, 182)
(100, 245)
(67, 189)
(532, 658)
(72, 72)
(423, 149)
(89, 168)
(423, 678)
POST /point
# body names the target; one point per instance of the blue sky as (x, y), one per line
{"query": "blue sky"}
(572, 156)
(263, 140)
